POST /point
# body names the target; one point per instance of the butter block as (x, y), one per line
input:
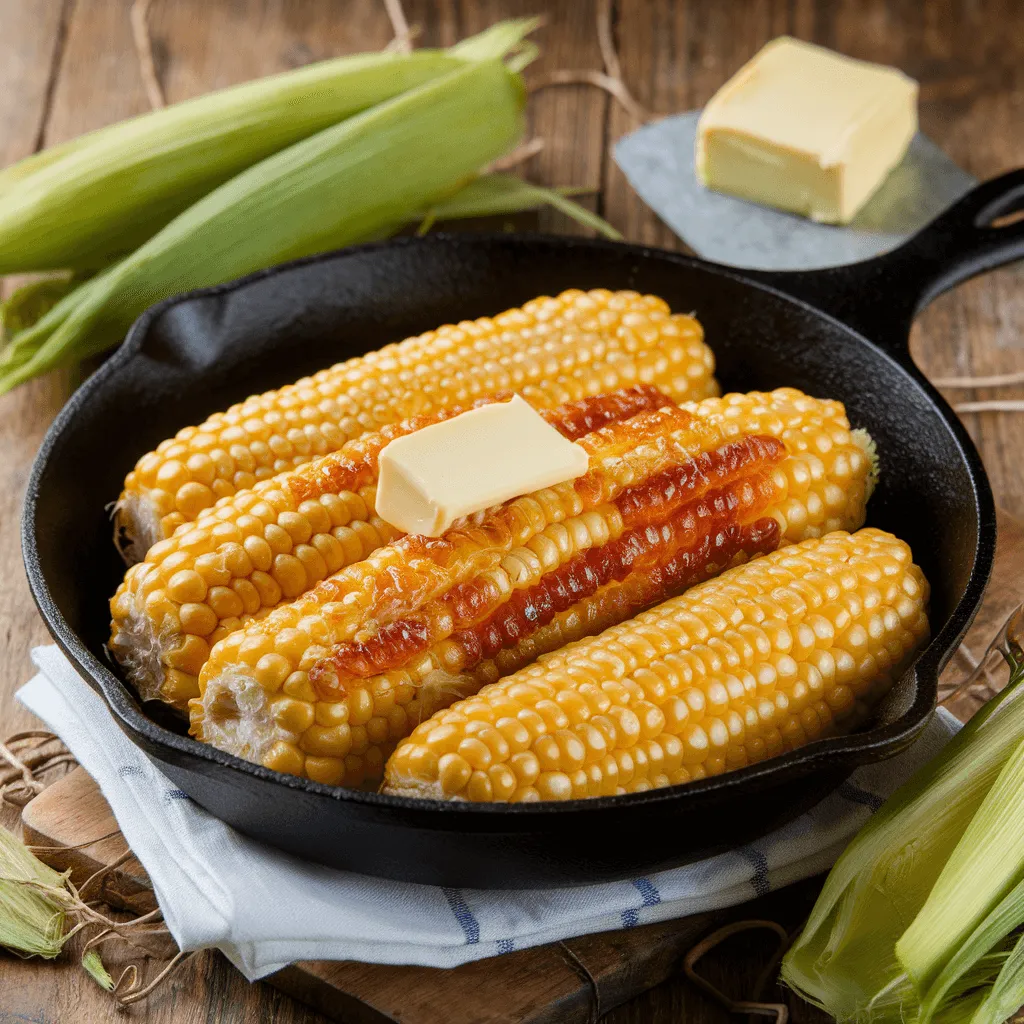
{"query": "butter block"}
(431, 477)
(806, 130)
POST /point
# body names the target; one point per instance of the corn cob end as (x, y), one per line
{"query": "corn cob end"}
(866, 443)
(137, 526)
(141, 650)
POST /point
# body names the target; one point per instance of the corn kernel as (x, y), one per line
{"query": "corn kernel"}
(284, 757)
(802, 680)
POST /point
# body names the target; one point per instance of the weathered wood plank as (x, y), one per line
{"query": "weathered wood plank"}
(675, 53)
(31, 43)
(31, 36)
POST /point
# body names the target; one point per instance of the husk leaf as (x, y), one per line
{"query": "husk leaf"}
(356, 181)
(979, 874)
(495, 194)
(102, 195)
(844, 961)
(92, 964)
(1006, 996)
(33, 901)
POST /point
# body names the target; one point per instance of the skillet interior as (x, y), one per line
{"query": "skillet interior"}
(194, 355)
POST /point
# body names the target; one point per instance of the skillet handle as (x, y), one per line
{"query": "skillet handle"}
(880, 297)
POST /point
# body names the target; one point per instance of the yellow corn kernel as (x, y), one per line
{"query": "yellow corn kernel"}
(551, 351)
(668, 746)
(720, 659)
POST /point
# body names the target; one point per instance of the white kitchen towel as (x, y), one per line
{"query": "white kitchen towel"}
(266, 909)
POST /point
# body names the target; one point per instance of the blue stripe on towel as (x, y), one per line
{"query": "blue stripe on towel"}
(175, 794)
(648, 891)
(506, 945)
(650, 896)
(857, 795)
(759, 882)
(460, 909)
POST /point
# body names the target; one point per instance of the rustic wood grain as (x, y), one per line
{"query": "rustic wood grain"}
(67, 66)
(31, 43)
(542, 985)
(570, 119)
(32, 35)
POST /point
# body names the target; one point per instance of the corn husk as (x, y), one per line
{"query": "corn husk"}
(1006, 996)
(495, 194)
(489, 195)
(356, 181)
(845, 960)
(28, 304)
(102, 195)
(36, 905)
(32, 901)
(93, 966)
(989, 943)
(981, 872)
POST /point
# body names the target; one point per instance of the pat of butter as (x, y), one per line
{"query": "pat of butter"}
(806, 130)
(478, 459)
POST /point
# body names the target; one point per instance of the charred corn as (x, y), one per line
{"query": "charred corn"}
(275, 541)
(551, 351)
(791, 647)
(326, 685)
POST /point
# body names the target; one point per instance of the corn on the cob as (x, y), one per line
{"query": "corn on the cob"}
(326, 686)
(771, 655)
(384, 160)
(551, 351)
(109, 191)
(275, 541)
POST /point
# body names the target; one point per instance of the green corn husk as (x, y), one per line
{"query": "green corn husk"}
(356, 181)
(496, 194)
(16, 173)
(486, 196)
(989, 939)
(1006, 995)
(35, 905)
(93, 966)
(104, 194)
(980, 873)
(32, 901)
(28, 304)
(845, 960)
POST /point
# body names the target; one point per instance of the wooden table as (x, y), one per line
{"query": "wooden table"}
(67, 66)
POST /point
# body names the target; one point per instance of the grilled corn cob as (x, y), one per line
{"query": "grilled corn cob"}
(550, 351)
(771, 655)
(275, 541)
(326, 686)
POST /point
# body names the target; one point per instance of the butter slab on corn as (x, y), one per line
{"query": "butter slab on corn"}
(806, 130)
(436, 475)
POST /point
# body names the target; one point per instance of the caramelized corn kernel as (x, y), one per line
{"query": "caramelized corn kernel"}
(813, 681)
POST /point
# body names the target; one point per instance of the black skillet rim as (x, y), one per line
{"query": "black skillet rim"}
(825, 752)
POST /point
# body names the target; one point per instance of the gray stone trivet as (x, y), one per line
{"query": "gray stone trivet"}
(658, 161)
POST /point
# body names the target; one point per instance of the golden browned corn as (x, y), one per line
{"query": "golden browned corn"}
(790, 647)
(551, 351)
(325, 686)
(274, 542)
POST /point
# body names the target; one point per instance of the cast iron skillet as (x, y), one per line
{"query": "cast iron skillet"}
(840, 333)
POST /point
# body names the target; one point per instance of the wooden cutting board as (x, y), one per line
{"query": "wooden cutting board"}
(567, 982)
